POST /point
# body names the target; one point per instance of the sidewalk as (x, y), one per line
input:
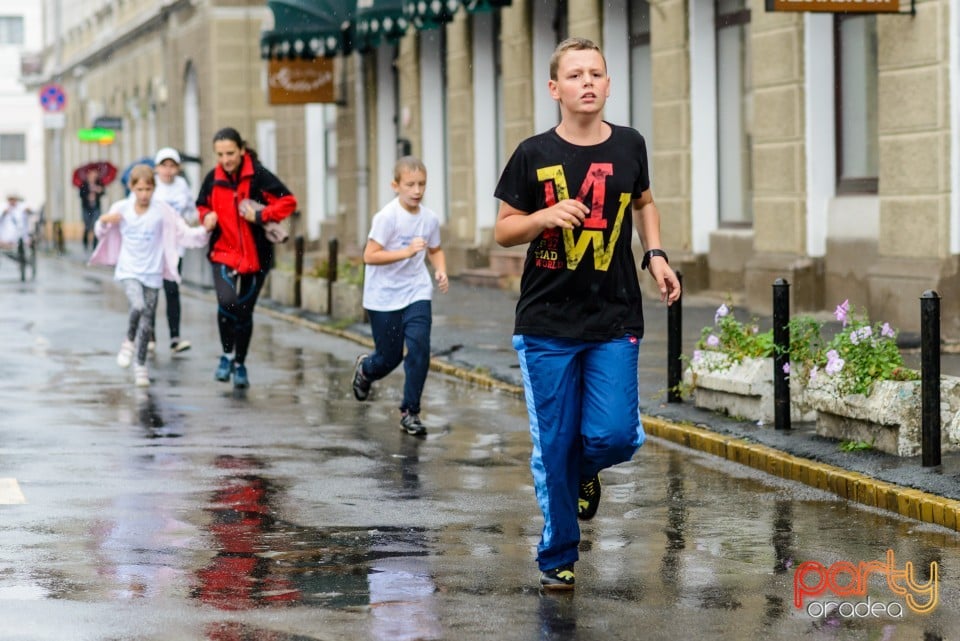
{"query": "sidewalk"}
(471, 339)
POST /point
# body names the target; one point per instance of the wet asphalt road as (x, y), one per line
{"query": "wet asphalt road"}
(292, 512)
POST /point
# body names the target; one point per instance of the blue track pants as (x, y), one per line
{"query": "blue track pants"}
(583, 402)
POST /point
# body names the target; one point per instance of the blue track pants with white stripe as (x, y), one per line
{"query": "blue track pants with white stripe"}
(583, 402)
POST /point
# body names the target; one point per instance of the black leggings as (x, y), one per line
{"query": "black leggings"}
(172, 291)
(236, 297)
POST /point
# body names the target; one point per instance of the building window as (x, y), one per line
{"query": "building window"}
(734, 113)
(13, 148)
(855, 40)
(11, 30)
(641, 72)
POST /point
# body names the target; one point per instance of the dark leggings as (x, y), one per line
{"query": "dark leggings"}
(236, 297)
(172, 291)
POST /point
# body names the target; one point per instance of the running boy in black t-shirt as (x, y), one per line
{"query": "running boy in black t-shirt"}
(574, 193)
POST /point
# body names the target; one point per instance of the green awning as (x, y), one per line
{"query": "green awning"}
(430, 14)
(378, 21)
(480, 6)
(308, 29)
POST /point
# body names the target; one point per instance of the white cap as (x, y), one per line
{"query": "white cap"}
(167, 153)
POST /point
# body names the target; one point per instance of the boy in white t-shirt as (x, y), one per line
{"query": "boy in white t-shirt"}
(397, 290)
(141, 235)
(173, 189)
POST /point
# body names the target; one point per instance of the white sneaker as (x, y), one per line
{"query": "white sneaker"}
(141, 377)
(179, 345)
(125, 355)
(152, 348)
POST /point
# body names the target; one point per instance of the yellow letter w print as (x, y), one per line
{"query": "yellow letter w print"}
(555, 189)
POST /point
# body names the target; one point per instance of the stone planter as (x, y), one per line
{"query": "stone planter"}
(313, 294)
(743, 390)
(347, 301)
(282, 284)
(890, 418)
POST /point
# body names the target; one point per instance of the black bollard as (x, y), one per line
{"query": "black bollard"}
(332, 251)
(781, 354)
(298, 251)
(930, 378)
(675, 346)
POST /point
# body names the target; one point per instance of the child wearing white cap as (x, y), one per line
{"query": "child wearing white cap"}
(173, 189)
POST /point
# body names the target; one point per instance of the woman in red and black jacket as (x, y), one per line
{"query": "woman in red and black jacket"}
(240, 253)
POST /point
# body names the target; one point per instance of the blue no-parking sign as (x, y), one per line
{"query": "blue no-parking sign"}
(52, 98)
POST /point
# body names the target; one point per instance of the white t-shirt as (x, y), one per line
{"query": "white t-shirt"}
(391, 287)
(141, 252)
(13, 224)
(177, 194)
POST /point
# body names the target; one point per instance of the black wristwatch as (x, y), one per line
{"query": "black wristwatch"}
(650, 254)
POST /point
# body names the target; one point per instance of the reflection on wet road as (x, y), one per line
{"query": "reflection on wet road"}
(292, 512)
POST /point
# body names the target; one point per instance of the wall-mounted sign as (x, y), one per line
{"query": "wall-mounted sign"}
(53, 98)
(298, 82)
(102, 136)
(109, 122)
(835, 6)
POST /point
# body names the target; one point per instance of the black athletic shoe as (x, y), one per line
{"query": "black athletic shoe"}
(410, 423)
(561, 578)
(589, 498)
(361, 384)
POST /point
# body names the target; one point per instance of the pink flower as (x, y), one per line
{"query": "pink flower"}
(841, 312)
(697, 356)
(722, 311)
(786, 368)
(813, 373)
(713, 340)
(834, 366)
(887, 331)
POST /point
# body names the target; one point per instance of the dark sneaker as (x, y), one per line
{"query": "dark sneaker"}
(410, 423)
(361, 384)
(589, 498)
(178, 345)
(224, 370)
(561, 578)
(240, 376)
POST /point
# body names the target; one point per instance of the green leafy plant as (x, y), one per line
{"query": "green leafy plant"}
(348, 271)
(856, 446)
(862, 353)
(855, 358)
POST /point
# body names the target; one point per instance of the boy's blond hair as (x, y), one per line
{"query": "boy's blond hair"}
(141, 172)
(573, 44)
(408, 163)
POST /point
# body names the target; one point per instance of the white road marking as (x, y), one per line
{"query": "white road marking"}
(10, 493)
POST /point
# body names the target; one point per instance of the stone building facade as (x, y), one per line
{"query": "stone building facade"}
(813, 146)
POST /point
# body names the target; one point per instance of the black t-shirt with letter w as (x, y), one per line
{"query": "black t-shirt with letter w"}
(579, 283)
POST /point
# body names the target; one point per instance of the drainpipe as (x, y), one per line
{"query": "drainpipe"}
(56, 207)
(363, 169)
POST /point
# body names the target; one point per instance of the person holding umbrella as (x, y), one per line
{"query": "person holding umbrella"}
(91, 191)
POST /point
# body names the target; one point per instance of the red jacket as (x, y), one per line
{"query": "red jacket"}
(236, 243)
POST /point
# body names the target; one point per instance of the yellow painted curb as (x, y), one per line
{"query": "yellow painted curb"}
(852, 486)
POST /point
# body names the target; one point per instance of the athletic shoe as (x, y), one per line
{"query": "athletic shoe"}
(125, 355)
(152, 348)
(561, 578)
(410, 423)
(224, 370)
(240, 376)
(361, 384)
(178, 345)
(589, 498)
(141, 377)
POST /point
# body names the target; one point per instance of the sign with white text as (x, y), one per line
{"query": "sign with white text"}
(299, 82)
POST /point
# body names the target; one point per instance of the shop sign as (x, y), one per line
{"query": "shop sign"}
(298, 82)
(835, 6)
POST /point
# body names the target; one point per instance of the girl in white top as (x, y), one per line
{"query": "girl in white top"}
(173, 189)
(141, 236)
(397, 290)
